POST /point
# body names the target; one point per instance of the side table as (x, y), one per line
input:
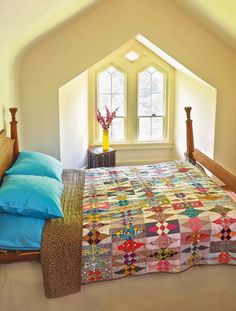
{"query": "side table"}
(97, 157)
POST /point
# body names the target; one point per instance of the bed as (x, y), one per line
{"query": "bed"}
(136, 220)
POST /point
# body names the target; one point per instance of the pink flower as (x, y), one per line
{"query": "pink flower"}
(107, 120)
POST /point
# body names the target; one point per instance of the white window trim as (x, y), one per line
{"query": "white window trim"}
(166, 81)
(134, 144)
(103, 68)
(141, 146)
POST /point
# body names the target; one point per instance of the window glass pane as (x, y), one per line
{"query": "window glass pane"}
(157, 104)
(111, 93)
(144, 105)
(144, 82)
(104, 100)
(157, 128)
(157, 82)
(151, 69)
(150, 129)
(118, 102)
(144, 128)
(117, 82)
(117, 130)
(104, 82)
(111, 69)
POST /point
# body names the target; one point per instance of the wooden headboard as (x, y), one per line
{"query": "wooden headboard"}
(9, 147)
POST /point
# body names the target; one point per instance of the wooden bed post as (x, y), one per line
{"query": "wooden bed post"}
(14, 133)
(189, 136)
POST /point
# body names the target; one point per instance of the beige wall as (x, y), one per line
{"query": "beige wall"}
(6, 90)
(142, 156)
(73, 120)
(133, 152)
(66, 52)
(202, 98)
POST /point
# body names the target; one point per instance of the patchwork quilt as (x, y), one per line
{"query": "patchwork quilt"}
(154, 218)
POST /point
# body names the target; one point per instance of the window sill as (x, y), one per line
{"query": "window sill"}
(140, 146)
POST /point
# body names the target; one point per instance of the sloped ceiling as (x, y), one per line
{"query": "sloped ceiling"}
(217, 15)
(23, 21)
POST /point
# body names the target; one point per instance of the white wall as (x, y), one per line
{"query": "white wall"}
(58, 57)
(73, 119)
(202, 98)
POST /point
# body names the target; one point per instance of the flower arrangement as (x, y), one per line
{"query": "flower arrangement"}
(107, 120)
(106, 123)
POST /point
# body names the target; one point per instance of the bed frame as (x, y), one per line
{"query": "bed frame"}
(196, 156)
(9, 147)
(9, 150)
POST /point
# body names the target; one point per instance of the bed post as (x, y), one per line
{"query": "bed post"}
(14, 133)
(189, 136)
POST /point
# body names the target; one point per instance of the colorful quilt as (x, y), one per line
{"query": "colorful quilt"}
(154, 218)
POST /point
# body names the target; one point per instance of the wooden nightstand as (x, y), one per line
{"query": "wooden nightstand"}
(99, 158)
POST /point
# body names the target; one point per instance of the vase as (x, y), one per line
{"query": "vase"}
(105, 140)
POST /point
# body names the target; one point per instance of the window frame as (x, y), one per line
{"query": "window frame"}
(97, 126)
(117, 60)
(165, 100)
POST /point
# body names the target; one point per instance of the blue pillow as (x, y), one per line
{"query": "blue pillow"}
(36, 163)
(20, 232)
(33, 196)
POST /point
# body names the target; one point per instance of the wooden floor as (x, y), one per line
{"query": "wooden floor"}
(210, 288)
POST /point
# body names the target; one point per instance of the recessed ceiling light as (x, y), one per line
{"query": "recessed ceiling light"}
(132, 56)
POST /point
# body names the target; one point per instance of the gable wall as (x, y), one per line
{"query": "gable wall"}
(66, 52)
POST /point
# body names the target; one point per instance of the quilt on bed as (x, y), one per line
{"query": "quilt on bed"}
(164, 217)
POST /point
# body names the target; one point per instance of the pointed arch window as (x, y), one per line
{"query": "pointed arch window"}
(151, 104)
(143, 89)
(111, 92)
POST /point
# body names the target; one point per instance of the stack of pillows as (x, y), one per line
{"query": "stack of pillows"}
(32, 187)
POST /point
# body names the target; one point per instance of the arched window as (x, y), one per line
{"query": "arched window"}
(111, 92)
(151, 104)
(141, 84)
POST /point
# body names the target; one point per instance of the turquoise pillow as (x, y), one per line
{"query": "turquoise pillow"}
(36, 163)
(33, 196)
(20, 232)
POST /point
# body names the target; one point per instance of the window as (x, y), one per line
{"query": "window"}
(141, 84)
(111, 94)
(151, 104)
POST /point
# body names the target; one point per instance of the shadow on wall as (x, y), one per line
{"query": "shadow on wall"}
(73, 120)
